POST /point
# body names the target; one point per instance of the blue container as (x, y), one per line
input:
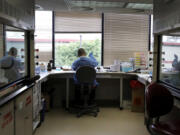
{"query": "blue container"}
(127, 69)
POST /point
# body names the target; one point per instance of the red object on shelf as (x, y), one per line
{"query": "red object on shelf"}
(37, 50)
(138, 91)
(136, 84)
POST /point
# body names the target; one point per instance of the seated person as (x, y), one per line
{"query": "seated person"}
(83, 60)
(176, 63)
(11, 65)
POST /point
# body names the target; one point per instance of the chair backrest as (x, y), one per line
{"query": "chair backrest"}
(86, 75)
(159, 100)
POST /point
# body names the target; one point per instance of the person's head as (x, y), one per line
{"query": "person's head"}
(12, 52)
(81, 52)
(175, 56)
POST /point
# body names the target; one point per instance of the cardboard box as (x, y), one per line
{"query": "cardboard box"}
(138, 99)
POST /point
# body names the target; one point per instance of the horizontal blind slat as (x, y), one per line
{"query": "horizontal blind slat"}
(124, 34)
(77, 22)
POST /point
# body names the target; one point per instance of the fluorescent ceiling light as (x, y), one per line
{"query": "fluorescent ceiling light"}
(96, 4)
(139, 6)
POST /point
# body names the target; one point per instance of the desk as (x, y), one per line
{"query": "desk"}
(69, 74)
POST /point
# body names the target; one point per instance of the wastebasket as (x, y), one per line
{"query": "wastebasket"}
(138, 91)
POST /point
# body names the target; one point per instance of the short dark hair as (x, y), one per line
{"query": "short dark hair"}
(81, 52)
(12, 51)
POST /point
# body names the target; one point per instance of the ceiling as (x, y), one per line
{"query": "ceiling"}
(116, 6)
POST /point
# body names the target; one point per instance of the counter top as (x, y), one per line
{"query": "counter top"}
(6, 97)
(143, 78)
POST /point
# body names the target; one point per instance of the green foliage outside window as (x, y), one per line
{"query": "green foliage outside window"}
(66, 53)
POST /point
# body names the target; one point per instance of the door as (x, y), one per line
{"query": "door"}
(7, 119)
(23, 113)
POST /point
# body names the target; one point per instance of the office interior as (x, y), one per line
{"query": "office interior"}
(135, 42)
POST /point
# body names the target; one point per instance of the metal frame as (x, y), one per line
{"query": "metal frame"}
(149, 46)
(4, 41)
(28, 57)
(69, 75)
(27, 44)
(102, 42)
(175, 91)
(159, 57)
(53, 38)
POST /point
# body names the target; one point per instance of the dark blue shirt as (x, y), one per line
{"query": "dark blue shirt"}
(84, 61)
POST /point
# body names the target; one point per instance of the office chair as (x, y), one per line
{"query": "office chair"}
(159, 102)
(86, 76)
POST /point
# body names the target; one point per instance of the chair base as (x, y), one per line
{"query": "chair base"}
(166, 128)
(85, 110)
(88, 109)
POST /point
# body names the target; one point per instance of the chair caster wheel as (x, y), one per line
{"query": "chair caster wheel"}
(98, 110)
(95, 115)
(121, 108)
(78, 115)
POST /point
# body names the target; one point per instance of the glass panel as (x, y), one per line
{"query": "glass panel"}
(43, 36)
(170, 64)
(13, 61)
(66, 46)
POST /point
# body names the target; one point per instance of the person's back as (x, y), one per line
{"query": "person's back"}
(11, 66)
(83, 60)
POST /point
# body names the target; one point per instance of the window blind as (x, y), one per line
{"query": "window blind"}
(77, 22)
(124, 34)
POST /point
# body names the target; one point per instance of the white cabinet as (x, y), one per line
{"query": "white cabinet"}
(7, 119)
(36, 104)
(23, 113)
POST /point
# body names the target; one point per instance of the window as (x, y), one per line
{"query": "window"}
(68, 44)
(170, 60)
(43, 36)
(75, 30)
(13, 60)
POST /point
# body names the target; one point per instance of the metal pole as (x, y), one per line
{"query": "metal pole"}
(80, 41)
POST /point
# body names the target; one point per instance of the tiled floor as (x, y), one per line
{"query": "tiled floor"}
(110, 121)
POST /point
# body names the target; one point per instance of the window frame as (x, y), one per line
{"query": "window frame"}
(175, 91)
(27, 39)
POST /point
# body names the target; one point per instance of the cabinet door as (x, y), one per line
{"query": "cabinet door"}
(23, 114)
(36, 100)
(7, 119)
